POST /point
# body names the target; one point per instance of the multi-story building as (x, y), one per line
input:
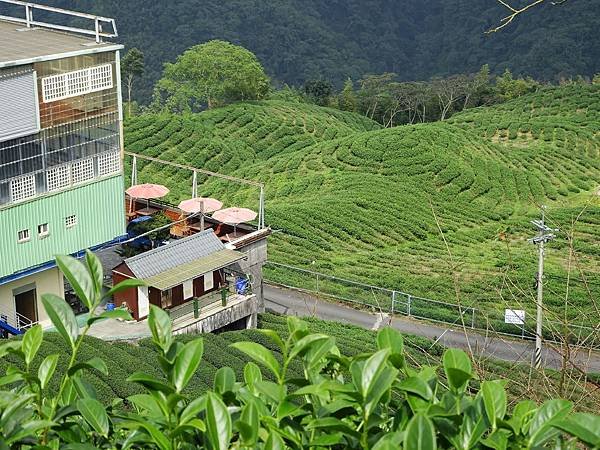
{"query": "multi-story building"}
(61, 178)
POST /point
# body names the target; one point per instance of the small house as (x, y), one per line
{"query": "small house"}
(176, 273)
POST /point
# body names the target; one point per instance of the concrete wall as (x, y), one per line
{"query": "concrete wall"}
(47, 282)
(246, 309)
(256, 257)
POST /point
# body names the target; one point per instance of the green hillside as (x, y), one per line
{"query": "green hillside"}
(438, 210)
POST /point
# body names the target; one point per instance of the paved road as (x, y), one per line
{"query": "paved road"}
(286, 301)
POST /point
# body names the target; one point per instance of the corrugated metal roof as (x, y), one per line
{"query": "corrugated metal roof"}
(193, 269)
(22, 45)
(183, 251)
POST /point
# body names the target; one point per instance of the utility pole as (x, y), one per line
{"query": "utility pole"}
(544, 235)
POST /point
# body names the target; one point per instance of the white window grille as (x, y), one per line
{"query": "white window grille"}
(78, 82)
(82, 170)
(23, 236)
(58, 177)
(70, 221)
(43, 230)
(109, 163)
(100, 77)
(22, 188)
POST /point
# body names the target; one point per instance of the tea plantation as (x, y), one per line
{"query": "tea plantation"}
(122, 359)
(438, 210)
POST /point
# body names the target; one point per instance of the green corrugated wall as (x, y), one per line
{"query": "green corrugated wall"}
(99, 207)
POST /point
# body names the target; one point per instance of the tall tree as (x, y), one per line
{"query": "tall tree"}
(319, 91)
(347, 98)
(211, 74)
(448, 91)
(132, 67)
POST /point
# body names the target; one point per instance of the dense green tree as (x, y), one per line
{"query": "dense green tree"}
(509, 87)
(347, 98)
(319, 91)
(211, 74)
(298, 41)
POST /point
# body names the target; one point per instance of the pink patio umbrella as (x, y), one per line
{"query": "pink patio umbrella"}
(200, 205)
(147, 191)
(234, 216)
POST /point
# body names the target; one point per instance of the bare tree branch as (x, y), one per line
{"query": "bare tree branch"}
(514, 12)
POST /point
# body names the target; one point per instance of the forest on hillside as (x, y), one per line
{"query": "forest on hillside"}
(297, 41)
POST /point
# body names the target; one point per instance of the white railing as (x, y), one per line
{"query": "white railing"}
(16, 320)
(29, 21)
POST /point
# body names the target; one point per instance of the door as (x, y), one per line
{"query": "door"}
(166, 299)
(26, 307)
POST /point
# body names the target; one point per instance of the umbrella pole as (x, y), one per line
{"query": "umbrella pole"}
(201, 216)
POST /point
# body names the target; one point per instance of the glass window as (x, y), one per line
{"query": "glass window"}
(23, 236)
(70, 221)
(43, 230)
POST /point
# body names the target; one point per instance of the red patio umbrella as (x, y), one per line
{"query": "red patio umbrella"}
(147, 191)
(202, 205)
(234, 216)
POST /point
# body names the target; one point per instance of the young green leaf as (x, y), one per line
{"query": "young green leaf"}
(79, 278)
(118, 313)
(123, 285)
(93, 363)
(583, 426)
(260, 354)
(186, 363)
(62, 318)
(31, 343)
(541, 428)
(218, 422)
(458, 369)
(420, 434)
(161, 328)
(494, 401)
(250, 417)
(224, 380)
(94, 414)
(94, 267)
(372, 368)
(252, 374)
(46, 369)
(274, 441)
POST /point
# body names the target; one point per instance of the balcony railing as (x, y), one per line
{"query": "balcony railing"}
(98, 32)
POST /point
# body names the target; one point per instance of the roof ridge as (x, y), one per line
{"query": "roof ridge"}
(170, 245)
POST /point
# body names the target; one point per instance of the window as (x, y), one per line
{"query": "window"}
(70, 221)
(208, 281)
(43, 230)
(82, 170)
(109, 163)
(78, 82)
(23, 236)
(58, 177)
(188, 289)
(100, 77)
(22, 188)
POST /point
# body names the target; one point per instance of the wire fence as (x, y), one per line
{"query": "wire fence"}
(396, 302)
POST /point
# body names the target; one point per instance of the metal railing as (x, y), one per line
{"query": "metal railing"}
(396, 302)
(16, 320)
(29, 21)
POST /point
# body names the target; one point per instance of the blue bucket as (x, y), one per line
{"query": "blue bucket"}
(110, 306)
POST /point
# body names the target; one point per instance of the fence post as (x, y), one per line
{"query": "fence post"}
(409, 299)
(472, 318)
(393, 301)
(317, 282)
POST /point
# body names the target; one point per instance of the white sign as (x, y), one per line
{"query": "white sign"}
(515, 316)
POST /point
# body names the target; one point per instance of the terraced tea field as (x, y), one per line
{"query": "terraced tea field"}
(439, 210)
